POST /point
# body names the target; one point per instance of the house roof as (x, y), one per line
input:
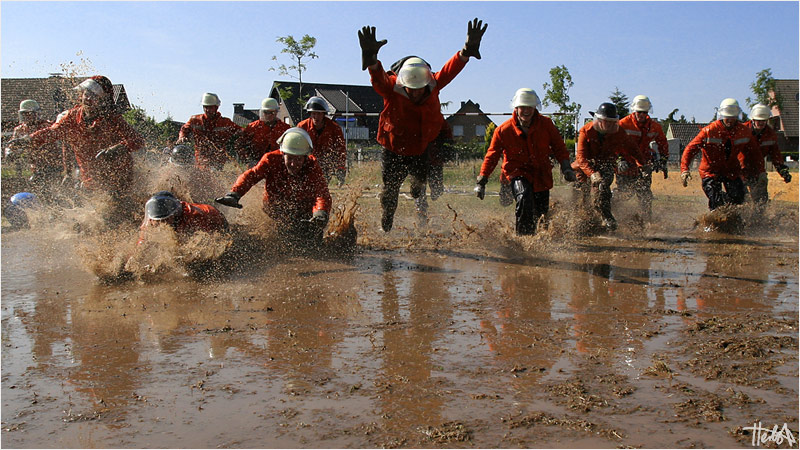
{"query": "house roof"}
(470, 109)
(685, 132)
(54, 94)
(788, 91)
(340, 97)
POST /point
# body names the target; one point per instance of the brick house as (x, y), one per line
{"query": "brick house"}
(785, 121)
(469, 122)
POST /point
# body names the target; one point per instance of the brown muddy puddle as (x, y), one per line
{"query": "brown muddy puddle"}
(460, 335)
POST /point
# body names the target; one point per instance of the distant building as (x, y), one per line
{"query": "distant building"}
(679, 135)
(785, 121)
(469, 122)
(362, 104)
(54, 95)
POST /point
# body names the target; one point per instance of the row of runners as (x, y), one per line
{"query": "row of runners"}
(297, 163)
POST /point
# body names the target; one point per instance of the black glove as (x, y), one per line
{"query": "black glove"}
(320, 219)
(474, 35)
(480, 186)
(111, 152)
(665, 167)
(567, 172)
(231, 199)
(784, 173)
(369, 46)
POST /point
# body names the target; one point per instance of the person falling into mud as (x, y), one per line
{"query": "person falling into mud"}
(165, 209)
(526, 142)
(755, 174)
(213, 134)
(261, 136)
(296, 194)
(411, 116)
(720, 144)
(649, 137)
(102, 142)
(602, 149)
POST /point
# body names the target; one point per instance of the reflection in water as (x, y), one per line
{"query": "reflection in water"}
(284, 336)
(520, 335)
(603, 303)
(105, 349)
(408, 395)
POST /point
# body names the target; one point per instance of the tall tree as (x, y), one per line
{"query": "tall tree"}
(761, 87)
(557, 93)
(299, 52)
(620, 100)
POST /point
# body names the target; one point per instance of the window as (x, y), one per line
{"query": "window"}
(480, 130)
(458, 130)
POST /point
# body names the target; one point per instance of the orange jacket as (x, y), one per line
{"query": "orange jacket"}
(328, 144)
(194, 217)
(259, 138)
(211, 138)
(287, 196)
(46, 158)
(711, 143)
(594, 150)
(644, 135)
(87, 138)
(526, 155)
(404, 127)
(753, 165)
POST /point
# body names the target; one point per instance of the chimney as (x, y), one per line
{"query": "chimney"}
(463, 103)
(238, 108)
(477, 106)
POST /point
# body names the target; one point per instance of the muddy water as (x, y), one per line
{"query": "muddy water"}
(459, 335)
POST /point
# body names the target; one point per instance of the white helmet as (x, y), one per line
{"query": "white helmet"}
(295, 141)
(526, 97)
(729, 108)
(210, 99)
(29, 106)
(317, 104)
(269, 104)
(759, 112)
(414, 74)
(641, 103)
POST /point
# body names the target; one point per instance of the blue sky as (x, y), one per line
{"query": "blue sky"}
(686, 55)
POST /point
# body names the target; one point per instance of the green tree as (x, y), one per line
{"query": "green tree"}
(299, 52)
(557, 93)
(145, 125)
(156, 135)
(620, 100)
(671, 119)
(487, 138)
(761, 87)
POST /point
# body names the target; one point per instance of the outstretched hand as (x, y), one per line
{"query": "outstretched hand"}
(475, 30)
(369, 46)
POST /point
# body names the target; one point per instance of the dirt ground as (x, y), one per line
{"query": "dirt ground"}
(458, 334)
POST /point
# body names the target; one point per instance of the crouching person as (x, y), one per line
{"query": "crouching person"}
(526, 142)
(296, 194)
(164, 209)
